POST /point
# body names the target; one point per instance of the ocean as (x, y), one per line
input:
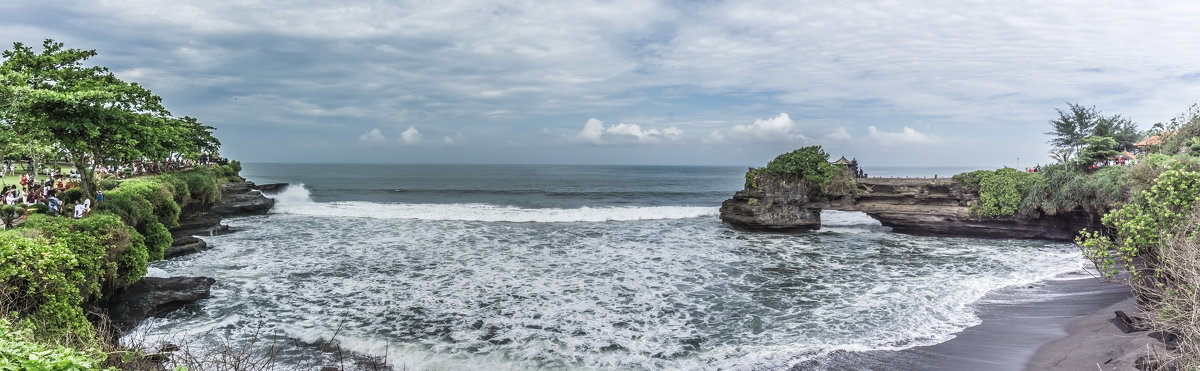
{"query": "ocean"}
(449, 267)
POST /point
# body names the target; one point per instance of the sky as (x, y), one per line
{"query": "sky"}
(890, 83)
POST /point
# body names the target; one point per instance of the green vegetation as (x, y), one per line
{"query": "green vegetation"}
(52, 98)
(1001, 192)
(19, 351)
(54, 108)
(809, 165)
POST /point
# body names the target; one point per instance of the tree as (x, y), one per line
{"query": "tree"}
(90, 113)
(1097, 149)
(1071, 128)
(1122, 130)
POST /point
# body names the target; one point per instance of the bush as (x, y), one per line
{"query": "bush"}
(158, 197)
(9, 213)
(1062, 189)
(72, 196)
(107, 184)
(1142, 224)
(1001, 192)
(158, 239)
(201, 184)
(18, 350)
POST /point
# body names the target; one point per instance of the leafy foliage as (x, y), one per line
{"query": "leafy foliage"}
(19, 351)
(809, 163)
(1071, 130)
(1063, 188)
(1002, 191)
(89, 112)
(1097, 149)
(1142, 224)
(9, 213)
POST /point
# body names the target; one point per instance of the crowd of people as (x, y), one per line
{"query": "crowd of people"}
(31, 192)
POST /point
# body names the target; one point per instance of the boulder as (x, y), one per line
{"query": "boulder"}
(271, 187)
(238, 199)
(154, 296)
(184, 246)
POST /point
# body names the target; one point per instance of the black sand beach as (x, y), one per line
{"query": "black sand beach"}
(1062, 324)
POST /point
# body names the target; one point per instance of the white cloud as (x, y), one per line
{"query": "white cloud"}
(373, 136)
(839, 135)
(448, 141)
(715, 137)
(906, 136)
(410, 136)
(673, 133)
(780, 128)
(595, 132)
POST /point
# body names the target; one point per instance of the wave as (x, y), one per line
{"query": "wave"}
(298, 200)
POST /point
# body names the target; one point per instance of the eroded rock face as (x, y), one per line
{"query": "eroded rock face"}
(773, 206)
(239, 199)
(155, 296)
(910, 205)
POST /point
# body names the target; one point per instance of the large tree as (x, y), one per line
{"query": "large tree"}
(1071, 129)
(90, 113)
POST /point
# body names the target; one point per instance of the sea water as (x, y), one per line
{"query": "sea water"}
(576, 267)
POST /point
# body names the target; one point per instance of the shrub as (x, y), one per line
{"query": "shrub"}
(43, 281)
(72, 196)
(1001, 192)
(1061, 189)
(1142, 224)
(201, 184)
(162, 205)
(18, 350)
(158, 239)
(9, 213)
(107, 184)
(809, 163)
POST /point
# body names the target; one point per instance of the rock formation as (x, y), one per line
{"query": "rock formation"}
(242, 199)
(921, 206)
(154, 296)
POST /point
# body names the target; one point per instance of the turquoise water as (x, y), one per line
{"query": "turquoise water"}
(578, 267)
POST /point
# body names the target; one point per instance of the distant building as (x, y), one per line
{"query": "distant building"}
(842, 161)
(1154, 140)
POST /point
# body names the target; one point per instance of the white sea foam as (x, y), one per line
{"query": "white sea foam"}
(297, 200)
(462, 292)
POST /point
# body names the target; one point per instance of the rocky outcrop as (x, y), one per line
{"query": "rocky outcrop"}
(184, 246)
(155, 296)
(238, 199)
(772, 206)
(271, 187)
(921, 206)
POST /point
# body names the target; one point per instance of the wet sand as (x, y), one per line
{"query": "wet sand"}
(1061, 324)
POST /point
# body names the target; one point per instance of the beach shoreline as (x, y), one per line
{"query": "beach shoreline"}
(1061, 323)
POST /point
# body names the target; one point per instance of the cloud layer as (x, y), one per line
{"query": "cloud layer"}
(868, 78)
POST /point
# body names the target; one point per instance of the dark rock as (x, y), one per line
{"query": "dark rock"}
(242, 199)
(154, 296)
(906, 205)
(271, 187)
(1170, 339)
(196, 224)
(773, 206)
(1129, 324)
(178, 248)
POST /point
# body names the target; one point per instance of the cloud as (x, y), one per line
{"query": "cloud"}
(595, 132)
(373, 136)
(410, 136)
(839, 135)
(780, 128)
(906, 136)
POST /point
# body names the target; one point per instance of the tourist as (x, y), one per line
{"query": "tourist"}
(80, 209)
(53, 202)
(99, 197)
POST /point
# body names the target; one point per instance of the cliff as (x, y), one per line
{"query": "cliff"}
(920, 206)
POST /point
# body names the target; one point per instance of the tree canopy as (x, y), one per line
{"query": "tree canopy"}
(92, 115)
(1070, 131)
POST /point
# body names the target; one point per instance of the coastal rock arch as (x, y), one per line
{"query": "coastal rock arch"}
(921, 206)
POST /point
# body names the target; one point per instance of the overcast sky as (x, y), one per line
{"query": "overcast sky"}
(952, 83)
